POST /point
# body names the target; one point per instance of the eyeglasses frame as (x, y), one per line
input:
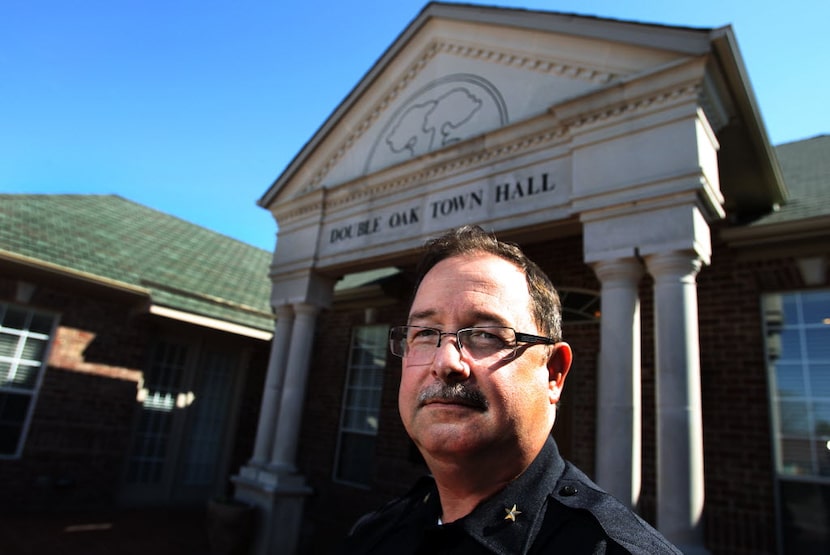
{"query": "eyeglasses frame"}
(521, 337)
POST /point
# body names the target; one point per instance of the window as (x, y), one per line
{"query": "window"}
(182, 421)
(24, 344)
(579, 306)
(798, 361)
(162, 386)
(361, 405)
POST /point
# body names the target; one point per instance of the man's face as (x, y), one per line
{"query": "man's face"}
(513, 402)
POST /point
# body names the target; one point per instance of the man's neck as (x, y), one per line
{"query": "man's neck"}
(463, 484)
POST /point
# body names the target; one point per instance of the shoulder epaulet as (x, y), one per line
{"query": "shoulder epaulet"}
(625, 527)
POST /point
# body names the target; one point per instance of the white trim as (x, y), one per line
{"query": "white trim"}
(212, 323)
(30, 262)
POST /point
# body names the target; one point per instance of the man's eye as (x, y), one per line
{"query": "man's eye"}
(422, 334)
(483, 337)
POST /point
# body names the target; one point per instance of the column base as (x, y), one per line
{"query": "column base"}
(279, 498)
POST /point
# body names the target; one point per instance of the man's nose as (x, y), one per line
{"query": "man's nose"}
(448, 364)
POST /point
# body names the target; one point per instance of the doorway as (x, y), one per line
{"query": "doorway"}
(178, 448)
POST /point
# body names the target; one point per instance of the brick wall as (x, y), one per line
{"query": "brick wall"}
(81, 428)
(334, 507)
(737, 434)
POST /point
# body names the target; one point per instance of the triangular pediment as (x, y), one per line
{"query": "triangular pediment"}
(459, 72)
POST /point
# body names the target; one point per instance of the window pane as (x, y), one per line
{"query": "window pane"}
(41, 323)
(821, 419)
(13, 411)
(796, 457)
(789, 379)
(818, 343)
(350, 419)
(33, 349)
(791, 311)
(5, 368)
(23, 376)
(15, 318)
(794, 418)
(790, 345)
(361, 404)
(8, 344)
(819, 379)
(817, 310)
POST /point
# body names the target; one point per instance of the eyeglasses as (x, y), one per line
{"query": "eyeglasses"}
(418, 344)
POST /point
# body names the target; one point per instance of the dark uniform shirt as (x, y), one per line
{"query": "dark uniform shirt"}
(551, 508)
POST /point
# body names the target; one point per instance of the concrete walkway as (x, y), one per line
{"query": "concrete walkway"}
(125, 532)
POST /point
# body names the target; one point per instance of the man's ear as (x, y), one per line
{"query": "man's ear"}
(559, 363)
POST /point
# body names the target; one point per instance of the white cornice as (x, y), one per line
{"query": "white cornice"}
(766, 234)
(608, 104)
(212, 323)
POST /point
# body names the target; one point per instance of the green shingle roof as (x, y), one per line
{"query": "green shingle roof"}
(184, 266)
(805, 166)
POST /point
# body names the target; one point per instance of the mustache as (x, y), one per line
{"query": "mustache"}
(463, 393)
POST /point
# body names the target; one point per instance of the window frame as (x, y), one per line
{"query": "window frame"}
(773, 324)
(580, 306)
(34, 392)
(790, 511)
(344, 406)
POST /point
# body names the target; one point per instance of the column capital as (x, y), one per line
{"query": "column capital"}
(627, 270)
(306, 286)
(283, 311)
(683, 265)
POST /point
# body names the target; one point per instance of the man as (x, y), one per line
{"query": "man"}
(483, 368)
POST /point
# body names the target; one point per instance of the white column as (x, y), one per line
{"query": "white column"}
(284, 453)
(619, 413)
(272, 392)
(677, 391)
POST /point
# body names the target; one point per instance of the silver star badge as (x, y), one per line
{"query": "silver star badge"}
(512, 513)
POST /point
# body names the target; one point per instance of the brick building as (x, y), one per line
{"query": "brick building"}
(631, 162)
(133, 347)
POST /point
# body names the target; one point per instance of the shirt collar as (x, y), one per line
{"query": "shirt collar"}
(526, 496)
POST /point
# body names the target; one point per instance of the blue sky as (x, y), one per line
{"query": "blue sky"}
(195, 107)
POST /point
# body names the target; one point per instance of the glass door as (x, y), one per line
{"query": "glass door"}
(177, 448)
(203, 453)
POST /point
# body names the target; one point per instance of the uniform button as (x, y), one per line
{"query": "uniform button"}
(568, 491)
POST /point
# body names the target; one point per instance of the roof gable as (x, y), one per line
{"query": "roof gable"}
(459, 71)
(806, 165)
(806, 168)
(183, 266)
